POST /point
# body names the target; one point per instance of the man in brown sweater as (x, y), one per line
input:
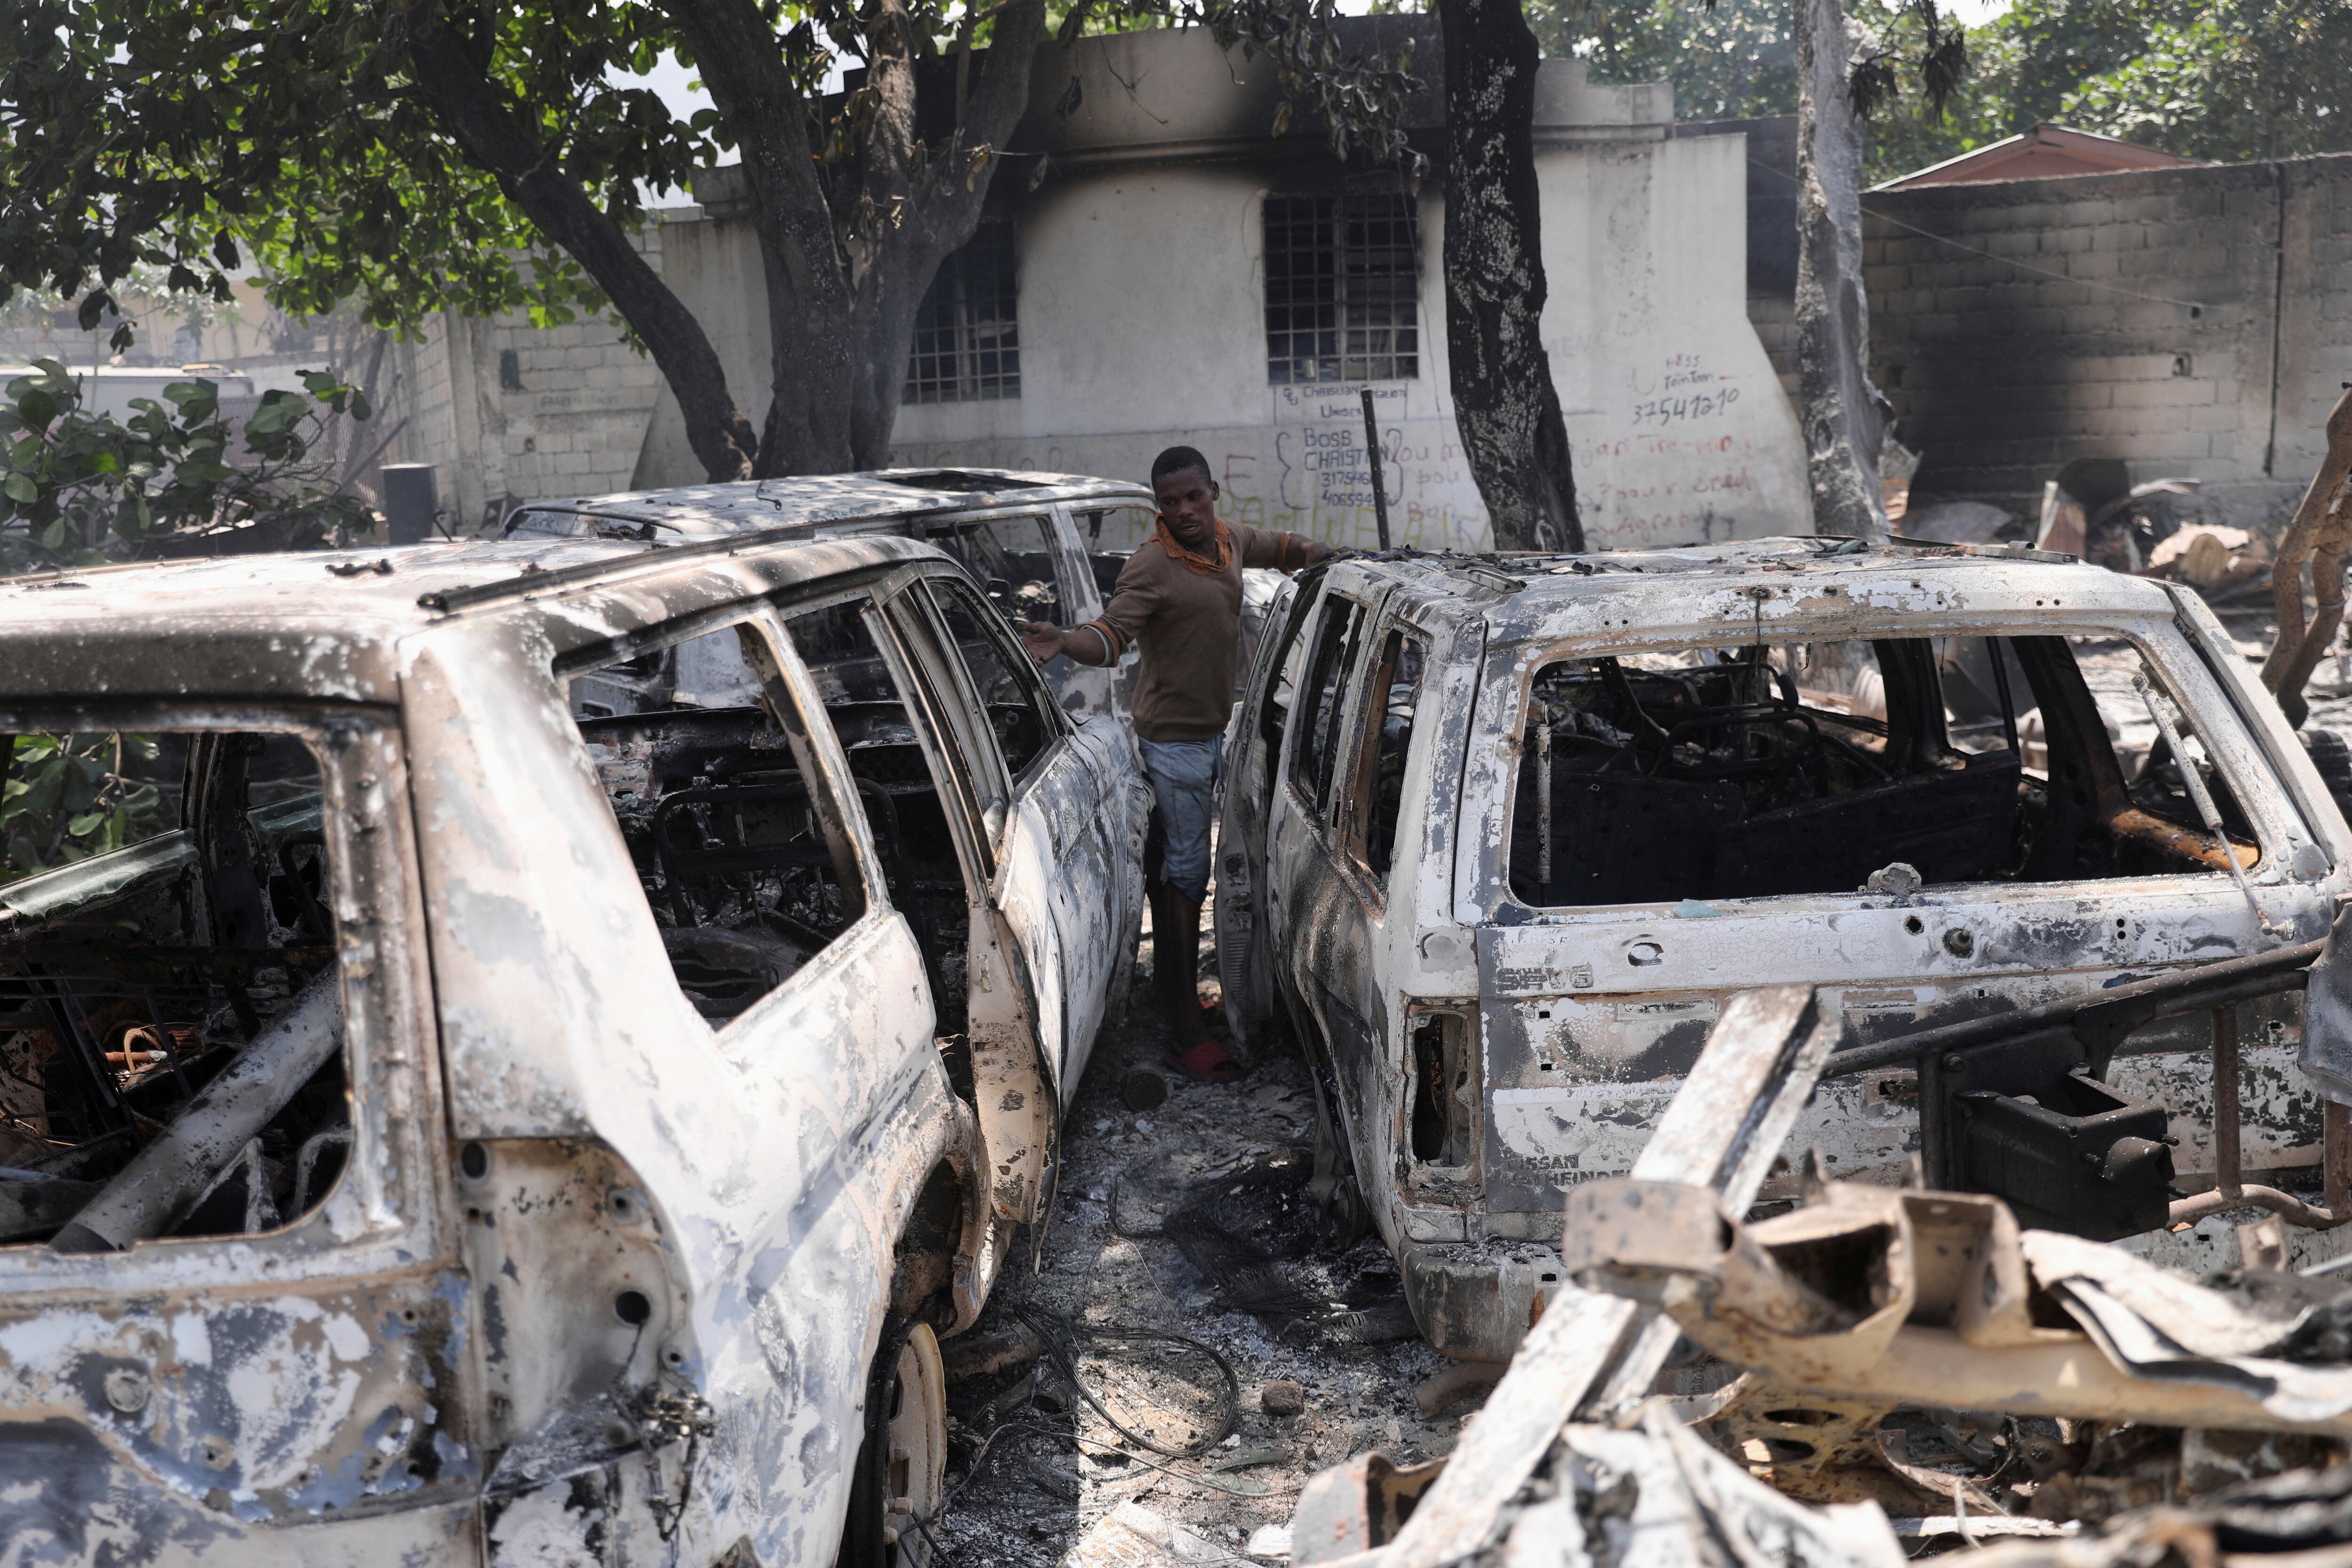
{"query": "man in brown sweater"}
(1179, 603)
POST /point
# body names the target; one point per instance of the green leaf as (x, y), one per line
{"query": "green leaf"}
(21, 488)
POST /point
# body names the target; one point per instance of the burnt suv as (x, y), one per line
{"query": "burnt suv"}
(1045, 547)
(1499, 837)
(464, 1100)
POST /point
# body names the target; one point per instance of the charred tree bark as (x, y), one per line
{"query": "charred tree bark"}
(452, 74)
(1505, 404)
(1845, 416)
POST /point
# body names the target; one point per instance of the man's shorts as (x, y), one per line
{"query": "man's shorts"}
(1183, 775)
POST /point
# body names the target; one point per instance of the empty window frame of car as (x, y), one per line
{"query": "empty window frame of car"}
(1392, 692)
(1111, 534)
(1757, 771)
(1014, 558)
(1319, 704)
(926, 803)
(1022, 713)
(737, 829)
(167, 912)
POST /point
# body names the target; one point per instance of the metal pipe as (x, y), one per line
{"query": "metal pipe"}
(2160, 709)
(2230, 1189)
(164, 1181)
(1372, 456)
(2280, 969)
(2286, 1205)
(2335, 1154)
(1998, 648)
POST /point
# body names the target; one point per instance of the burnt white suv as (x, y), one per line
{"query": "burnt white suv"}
(1499, 835)
(516, 1053)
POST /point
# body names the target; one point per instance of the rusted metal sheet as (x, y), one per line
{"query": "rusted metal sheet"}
(1929, 1306)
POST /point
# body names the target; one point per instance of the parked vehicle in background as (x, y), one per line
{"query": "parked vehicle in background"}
(499, 1106)
(1500, 834)
(1046, 546)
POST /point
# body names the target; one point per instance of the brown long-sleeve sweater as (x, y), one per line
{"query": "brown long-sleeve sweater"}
(1184, 612)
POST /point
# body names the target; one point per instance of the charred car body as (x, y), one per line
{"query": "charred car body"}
(487, 1116)
(1499, 837)
(1044, 546)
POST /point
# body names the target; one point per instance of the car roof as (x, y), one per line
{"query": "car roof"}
(326, 623)
(828, 502)
(1535, 596)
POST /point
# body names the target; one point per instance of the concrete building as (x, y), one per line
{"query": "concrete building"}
(2193, 321)
(507, 412)
(1180, 273)
(1158, 266)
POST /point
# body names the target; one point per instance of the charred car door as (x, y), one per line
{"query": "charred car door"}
(1315, 921)
(1244, 797)
(931, 784)
(1062, 802)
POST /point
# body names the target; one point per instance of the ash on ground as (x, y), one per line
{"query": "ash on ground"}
(1237, 1156)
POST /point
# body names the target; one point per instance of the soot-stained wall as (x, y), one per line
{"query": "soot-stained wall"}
(2195, 322)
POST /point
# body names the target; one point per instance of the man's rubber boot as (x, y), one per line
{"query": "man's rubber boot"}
(1184, 1018)
(1170, 963)
(1193, 1050)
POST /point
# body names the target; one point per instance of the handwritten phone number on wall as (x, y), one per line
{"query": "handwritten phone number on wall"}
(1680, 409)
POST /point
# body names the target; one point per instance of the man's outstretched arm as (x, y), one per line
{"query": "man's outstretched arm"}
(1088, 644)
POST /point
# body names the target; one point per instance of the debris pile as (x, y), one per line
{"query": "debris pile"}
(1873, 1373)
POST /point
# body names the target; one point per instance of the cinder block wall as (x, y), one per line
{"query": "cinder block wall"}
(2193, 321)
(569, 420)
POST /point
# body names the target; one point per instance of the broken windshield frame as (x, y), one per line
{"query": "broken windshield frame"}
(2249, 792)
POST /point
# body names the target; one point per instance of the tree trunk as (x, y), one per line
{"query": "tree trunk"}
(1845, 416)
(454, 81)
(1505, 404)
(841, 308)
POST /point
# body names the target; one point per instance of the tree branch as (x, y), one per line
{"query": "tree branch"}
(470, 107)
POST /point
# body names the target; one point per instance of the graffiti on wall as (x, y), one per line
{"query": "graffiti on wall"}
(1686, 453)
(1681, 452)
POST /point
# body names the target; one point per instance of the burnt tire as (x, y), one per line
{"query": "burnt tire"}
(2333, 759)
(901, 1472)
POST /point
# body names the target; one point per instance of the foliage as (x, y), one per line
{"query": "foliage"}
(2236, 80)
(1735, 59)
(145, 134)
(426, 154)
(144, 295)
(2230, 79)
(81, 487)
(71, 796)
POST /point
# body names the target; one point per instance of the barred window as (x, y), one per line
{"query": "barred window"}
(967, 331)
(1341, 289)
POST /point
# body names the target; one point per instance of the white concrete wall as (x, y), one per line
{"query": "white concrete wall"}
(577, 426)
(1680, 429)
